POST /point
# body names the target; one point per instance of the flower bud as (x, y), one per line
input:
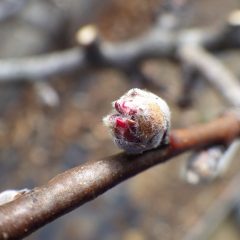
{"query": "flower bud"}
(140, 121)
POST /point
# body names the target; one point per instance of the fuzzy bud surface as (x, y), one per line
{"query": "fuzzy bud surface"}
(140, 121)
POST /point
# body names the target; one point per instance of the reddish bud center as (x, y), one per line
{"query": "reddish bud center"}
(124, 108)
(121, 123)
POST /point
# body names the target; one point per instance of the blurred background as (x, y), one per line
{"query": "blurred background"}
(52, 126)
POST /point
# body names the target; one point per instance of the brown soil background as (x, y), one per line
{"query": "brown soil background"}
(38, 142)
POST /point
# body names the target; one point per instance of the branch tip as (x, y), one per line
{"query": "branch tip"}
(234, 18)
(87, 35)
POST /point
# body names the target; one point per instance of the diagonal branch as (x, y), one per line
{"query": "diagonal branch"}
(219, 76)
(201, 62)
(79, 185)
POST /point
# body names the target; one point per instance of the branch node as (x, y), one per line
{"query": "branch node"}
(88, 38)
(87, 35)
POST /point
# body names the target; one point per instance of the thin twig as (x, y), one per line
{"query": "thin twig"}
(81, 184)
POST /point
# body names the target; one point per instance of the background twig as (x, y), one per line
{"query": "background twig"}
(157, 43)
(214, 71)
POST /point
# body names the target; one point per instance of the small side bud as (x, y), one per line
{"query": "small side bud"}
(203, 166)
(10, 195)
(140, 121)
(206, 165)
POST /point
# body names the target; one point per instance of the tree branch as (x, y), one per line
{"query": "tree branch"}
(200, 62)
(40, 67)
(157, 43)
(81, 184)
(219, 76)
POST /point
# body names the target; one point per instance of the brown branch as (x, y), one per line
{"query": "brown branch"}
(79, 185)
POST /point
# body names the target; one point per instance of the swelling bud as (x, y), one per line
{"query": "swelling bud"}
(140, 121)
